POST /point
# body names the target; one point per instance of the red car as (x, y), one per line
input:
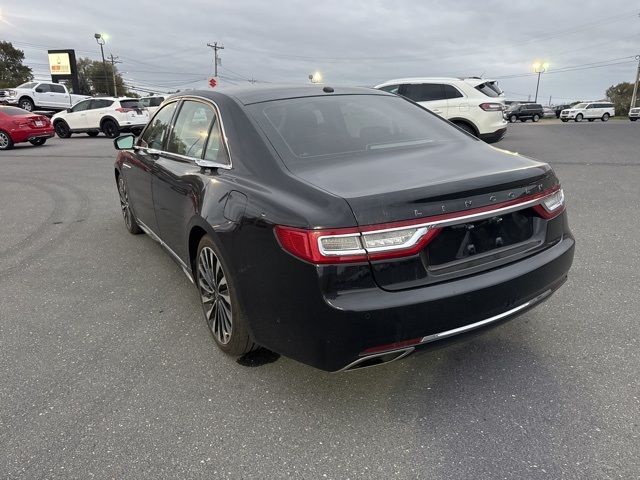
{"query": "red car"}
(18, 125)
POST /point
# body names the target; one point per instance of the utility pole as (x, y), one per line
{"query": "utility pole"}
(215, 47)
(635, 85)
(114, 60)
(549, 100)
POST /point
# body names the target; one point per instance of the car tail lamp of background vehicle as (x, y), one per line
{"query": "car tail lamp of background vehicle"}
(399, 239)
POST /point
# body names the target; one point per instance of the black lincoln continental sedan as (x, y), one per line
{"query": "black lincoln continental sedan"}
(341, 227)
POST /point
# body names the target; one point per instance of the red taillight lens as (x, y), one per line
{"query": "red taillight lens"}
(352, 245)
(21, 123)
(551, 206)
(124, 110)
(491, 107)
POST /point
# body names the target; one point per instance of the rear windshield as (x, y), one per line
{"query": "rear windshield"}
(130, 103)
(490, 89)
(13, 111)
(310, 128)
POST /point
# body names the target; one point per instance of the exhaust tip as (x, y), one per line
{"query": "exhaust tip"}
(377, 359)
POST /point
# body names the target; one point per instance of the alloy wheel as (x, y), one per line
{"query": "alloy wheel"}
(124, 203)
(26, 105)
(215, 295)
(4, 141)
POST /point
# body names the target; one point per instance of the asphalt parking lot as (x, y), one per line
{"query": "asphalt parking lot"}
(108, 370)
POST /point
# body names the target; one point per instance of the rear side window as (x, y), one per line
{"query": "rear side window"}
(423, 92)
(100, 103)
(191, 128)
(156, 132)
(129, 103)
(490, 89)
(58, 89)
(451, 92)
(390, 88)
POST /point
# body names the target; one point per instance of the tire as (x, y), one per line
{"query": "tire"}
(579, 117)
(536, 118)
(38, 141)
(466, 127)
(62, 129)
(110, 128)
(513, 119)
(129, 218)
(220, 305)
(564, 120)
(6, 143)
(605, 117)
(93, 133)
(27, 104)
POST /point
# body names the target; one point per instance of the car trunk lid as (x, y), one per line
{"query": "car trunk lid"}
(443, 180)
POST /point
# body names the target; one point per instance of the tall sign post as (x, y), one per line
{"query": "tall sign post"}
(62, 66)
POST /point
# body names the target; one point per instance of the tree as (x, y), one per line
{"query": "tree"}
(95, 77)
(12, 71)
(620, 96)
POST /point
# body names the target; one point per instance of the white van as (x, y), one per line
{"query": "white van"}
(590, 111)
(473, 104)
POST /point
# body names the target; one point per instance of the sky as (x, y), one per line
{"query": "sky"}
(589, 45)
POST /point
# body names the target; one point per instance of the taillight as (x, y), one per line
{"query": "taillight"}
(491, 107)
(351, 245)
(124, 110)
(400, 239)
(552, 205)
(21, 123)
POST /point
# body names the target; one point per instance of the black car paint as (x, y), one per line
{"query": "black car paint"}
(325, 315)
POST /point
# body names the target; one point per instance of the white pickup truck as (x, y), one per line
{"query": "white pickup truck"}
(33, 96)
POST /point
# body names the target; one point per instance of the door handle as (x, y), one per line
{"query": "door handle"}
(436, 110)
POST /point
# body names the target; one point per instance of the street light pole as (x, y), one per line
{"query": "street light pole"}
(100, 39)
(537, 87)
(539, 68)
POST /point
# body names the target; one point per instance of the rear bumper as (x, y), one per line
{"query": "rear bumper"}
(494, 136)
(332, 330)
(19, 136)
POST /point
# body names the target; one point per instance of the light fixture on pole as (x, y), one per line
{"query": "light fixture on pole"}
(539, 67)
(100, 38)
(316, 77)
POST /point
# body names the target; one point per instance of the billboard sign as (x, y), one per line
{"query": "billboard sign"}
(59, 63)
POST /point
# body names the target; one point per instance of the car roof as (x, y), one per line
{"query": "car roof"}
(473, 81)
(268, 92)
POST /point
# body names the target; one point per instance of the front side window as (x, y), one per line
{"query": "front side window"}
(423, 92)
(156, 132)
(311, 128)
(43, 88)
(191, 129)
(81, 106)
(58, 89)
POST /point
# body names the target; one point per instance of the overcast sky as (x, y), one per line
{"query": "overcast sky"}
(163, 44)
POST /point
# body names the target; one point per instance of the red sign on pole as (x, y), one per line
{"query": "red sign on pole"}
(212, 82)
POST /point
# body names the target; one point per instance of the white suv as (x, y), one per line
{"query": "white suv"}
(590, 111)
(108, 115)
(473, 104)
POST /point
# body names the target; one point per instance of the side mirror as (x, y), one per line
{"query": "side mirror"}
(69, 110)
(124, 142)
